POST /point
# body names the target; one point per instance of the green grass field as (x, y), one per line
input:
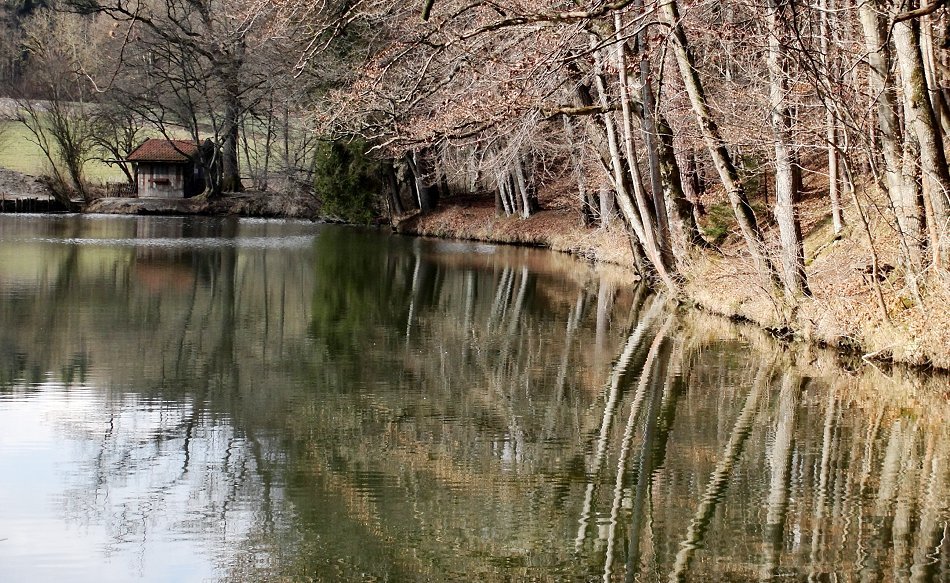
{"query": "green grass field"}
(19, 153)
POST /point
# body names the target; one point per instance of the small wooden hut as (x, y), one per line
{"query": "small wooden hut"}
(167, 169)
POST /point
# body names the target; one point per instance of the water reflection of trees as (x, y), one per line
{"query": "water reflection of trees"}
(388, 408)
(494, 432)
(175, 327)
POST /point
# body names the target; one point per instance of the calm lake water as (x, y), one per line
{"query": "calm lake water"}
(225, 400)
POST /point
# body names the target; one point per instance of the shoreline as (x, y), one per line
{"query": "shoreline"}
(714, 283)
(723, 286)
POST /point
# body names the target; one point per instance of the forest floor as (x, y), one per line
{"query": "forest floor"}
(843, 310)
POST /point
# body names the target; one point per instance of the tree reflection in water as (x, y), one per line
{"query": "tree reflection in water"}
(363, 406)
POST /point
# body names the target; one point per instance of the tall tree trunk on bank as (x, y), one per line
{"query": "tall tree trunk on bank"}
(745, 217)
(922, 121)
(787, 171)
(665, 174)
(693, 186)
(529, 202)
(683, 224)
(427, 195)
(644, 233)
(593, 127)
(577, 164)
(902, 189)
(230, 167)
(831, 121)
(938, 98)
(393, 181)
(655, 213)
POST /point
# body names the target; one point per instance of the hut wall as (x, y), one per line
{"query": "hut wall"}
(157, 180)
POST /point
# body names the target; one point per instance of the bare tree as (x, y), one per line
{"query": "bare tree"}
(117, 131)
(60, 125)
(194, 66)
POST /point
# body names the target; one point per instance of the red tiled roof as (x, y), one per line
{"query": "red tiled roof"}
(159, 150)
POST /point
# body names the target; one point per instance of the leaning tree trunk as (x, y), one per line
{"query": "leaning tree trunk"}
(745, 217)
(427, 195)
(921, 119)
(659, 216)
(938, 97)
(625, 199)
(665, 174)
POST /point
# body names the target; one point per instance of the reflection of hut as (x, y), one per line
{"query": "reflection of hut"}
(170, 274)
(167, 169)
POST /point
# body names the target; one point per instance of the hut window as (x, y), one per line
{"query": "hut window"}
(161, 181)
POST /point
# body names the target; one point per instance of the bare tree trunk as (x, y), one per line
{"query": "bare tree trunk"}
(787, 171)
(665, 177)
(624, 199)
(831, 121)
(517, 202)
(834, 173)
(902, 190)
(655, 213)
(230, 167)
(921, 119)
(683, 224)
(938, 98)
(608, 206)
(577, 162)
(393, 181)
(714, 142)
(426, 194)
(692, 186)
(527, 208)
(501, 188)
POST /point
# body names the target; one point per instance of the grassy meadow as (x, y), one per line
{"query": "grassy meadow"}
(19, 153)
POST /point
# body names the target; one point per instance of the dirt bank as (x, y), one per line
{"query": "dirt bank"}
(16, 185)
(248, 204)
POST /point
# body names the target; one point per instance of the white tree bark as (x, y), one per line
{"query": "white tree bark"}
(922, 121)
(902, 189)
